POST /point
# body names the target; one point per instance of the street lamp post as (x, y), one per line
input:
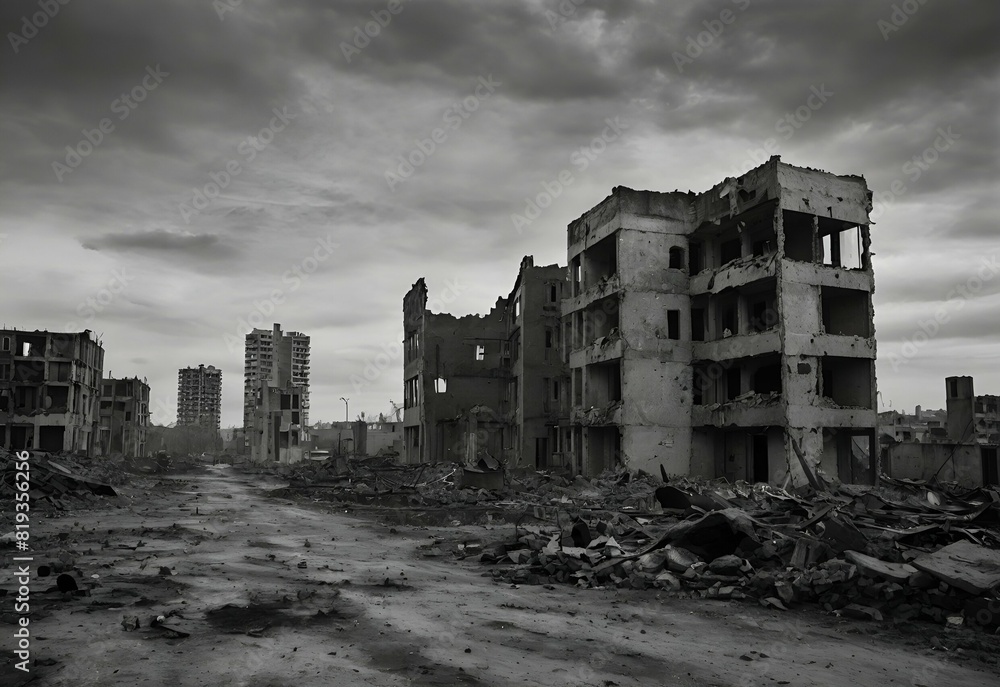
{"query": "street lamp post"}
(347, 412)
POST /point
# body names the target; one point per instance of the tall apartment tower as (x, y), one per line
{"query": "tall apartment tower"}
(728, 333)
(199, 396)
(290, 351)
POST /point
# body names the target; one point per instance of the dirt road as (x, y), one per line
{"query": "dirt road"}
(276, 593)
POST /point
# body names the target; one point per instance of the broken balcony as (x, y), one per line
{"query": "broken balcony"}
(743, 392)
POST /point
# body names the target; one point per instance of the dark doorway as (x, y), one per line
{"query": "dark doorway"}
(991, 469)
(541, 452)
(761, 469)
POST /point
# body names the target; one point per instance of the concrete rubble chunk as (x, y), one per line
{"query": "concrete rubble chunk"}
(873, 567)
(967, 566)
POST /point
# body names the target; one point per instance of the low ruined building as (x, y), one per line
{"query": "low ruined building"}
(199, 396)
(50, 390)
(277, 434)
(966, 454)
(490, 389)
(124, 416)
(728, 333)
(451, 365)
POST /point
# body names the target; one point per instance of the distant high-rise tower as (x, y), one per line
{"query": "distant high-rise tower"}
(270, 353)
(199, 396)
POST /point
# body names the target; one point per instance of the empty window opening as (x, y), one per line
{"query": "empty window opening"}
(695, 258)
(286, 401)
(676, 258)
(726, 323)
(553, 293)
(601, 319)
(697, 324)
(601, 260)
(57, 399)
(841, 244)
(578, 387)
(440, 385)
(763, 313)
(847, 381)
(734, 383)
(674, 324)
(480, 352)
(845, 312)
(729, 251)
(6, 343)
(517, 307)
(767, 379)
(799, 234)
(604, 383)
(577, 275)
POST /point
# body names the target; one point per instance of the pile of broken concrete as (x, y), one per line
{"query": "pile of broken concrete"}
(905, 551)
(57, 479)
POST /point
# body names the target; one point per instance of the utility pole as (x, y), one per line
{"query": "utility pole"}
(347, 412)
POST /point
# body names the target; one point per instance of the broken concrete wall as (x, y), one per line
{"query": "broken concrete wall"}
(961, 463)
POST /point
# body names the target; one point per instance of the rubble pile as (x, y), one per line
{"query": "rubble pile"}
(906, 551)
(447, 484)
(55, 478)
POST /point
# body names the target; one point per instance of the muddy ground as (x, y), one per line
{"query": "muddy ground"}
(255, 588)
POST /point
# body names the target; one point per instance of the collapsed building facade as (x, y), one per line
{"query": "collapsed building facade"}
(728, 333)
(487, 388)
(49, 390)
(124, 416)
(279, 403)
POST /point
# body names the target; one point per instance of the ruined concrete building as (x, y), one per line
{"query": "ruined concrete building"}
(263, 348)
(276, 428)
(489, 388)
(535, 402)
(49, 390)
(199, 396)
(452, 376)
(124, 416)
(728, 333)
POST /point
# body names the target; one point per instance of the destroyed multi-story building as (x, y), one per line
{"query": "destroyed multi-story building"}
(728, 333)
(124, 416)
(49, 390)
(264, 347)
(487, 387)
(199, 396)
(535, 402)
(277, 430)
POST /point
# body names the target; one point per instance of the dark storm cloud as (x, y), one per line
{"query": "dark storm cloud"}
(160, 242)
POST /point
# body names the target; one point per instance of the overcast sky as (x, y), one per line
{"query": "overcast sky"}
(239, 162)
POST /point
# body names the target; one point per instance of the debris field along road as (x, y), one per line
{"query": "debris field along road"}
(255, 590)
